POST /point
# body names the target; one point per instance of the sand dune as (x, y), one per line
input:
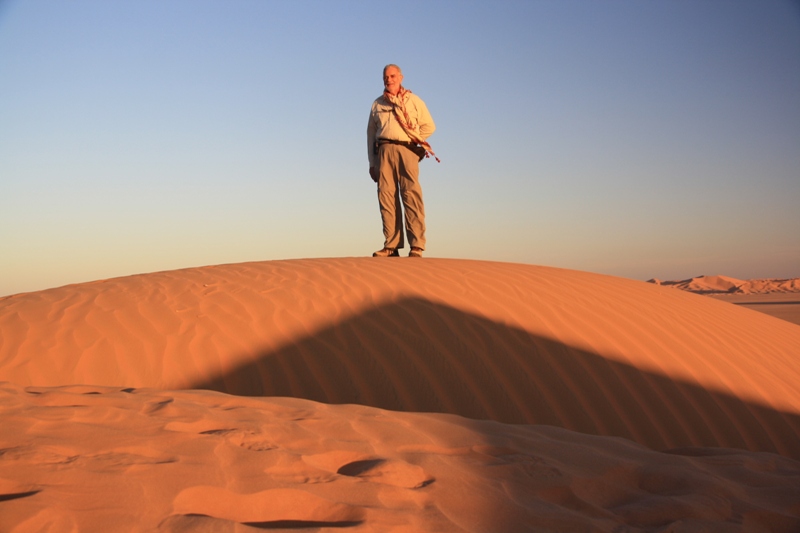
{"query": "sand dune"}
(512, 343)
(776, 297)
(95, 428)
(727, 285)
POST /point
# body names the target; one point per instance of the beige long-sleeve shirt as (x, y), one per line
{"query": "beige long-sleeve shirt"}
(383, 124)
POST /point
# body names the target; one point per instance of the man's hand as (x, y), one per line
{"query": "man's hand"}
(373, 173)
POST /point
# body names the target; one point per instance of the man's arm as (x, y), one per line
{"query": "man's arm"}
(372, 130)
(372, 134)
(425, 120)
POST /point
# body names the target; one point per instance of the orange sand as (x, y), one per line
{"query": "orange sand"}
(96, 437)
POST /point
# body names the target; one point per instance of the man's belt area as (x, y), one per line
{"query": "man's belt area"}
(414, 147)
(407, 144)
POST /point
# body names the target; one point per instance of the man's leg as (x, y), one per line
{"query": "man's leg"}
(411, 193)
(388, 198)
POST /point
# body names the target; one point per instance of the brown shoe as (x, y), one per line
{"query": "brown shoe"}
(386, 252)
(415, 252)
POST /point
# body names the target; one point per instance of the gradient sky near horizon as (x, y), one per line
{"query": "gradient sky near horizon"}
(633, 138)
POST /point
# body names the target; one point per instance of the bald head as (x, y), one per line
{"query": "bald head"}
(392, 65)
(392, 78)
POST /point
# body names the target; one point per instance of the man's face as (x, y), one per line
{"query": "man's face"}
(392, 80)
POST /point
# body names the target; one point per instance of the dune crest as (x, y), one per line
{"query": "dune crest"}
(507, 342)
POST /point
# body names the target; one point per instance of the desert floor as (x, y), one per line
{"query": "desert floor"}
(785, 306)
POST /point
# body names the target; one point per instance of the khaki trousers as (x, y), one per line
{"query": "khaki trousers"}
(399, 184)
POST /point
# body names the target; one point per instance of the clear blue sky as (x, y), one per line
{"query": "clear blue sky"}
(634, 138)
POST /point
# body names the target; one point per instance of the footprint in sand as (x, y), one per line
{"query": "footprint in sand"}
(117, 461)
(268, 509)
(249, 440)
(40, 455)
(388, 472)
(374, 469)
(12, 490)
(290, 468)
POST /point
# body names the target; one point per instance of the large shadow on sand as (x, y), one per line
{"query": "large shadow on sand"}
(415, 355)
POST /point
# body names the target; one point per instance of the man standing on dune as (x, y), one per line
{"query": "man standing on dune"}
(399, 124)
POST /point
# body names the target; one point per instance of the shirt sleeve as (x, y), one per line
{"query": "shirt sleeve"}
(372, 129)
(424, 120)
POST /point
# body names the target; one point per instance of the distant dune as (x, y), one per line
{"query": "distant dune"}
(109, 412)
(726, 285)
(776, 297)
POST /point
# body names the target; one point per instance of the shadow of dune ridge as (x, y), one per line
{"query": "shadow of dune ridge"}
(419, 356)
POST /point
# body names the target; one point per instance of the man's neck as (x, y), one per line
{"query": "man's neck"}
(395, 92)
